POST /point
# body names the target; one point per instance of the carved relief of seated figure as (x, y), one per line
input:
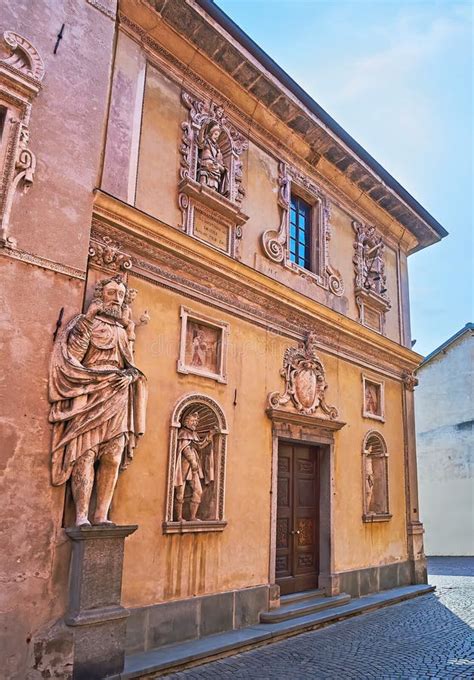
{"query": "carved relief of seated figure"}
(211, 169)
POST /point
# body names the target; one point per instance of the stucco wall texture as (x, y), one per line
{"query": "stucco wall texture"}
(444, 412)
(106, 130)
(52, 221)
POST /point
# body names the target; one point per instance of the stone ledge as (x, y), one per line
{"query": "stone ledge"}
(99, 615)
(190, 527)
(382, 517)
(85, 532)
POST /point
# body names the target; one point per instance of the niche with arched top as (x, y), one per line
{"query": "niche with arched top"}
(196, 467)
(375, 478)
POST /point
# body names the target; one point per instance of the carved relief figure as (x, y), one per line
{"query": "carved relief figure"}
(305, 381)
(372, 398)
(196, 467)
(202, 346)
(199, 349)
(211, 169)
(370, 279)
(98, 399)
(191, 469)
(375, 478)
(369, 479)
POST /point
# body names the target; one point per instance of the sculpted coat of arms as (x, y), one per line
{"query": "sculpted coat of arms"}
(305, 380)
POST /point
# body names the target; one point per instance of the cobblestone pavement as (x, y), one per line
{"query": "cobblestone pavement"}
(428, 637)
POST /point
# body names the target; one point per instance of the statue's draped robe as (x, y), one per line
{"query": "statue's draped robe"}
(183, 473)
(210, 157)
(89, 406)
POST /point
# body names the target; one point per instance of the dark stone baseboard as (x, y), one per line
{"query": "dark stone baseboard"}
(193, 618)
(372, 579)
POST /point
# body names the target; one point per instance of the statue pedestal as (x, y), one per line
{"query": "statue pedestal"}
(95, 588)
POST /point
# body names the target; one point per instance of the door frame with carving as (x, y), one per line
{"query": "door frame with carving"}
(295, 428)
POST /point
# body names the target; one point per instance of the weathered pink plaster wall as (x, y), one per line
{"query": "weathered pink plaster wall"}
(52, 221)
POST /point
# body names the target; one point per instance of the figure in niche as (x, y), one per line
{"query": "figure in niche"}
(369, 479)
(194, 465)
(371, 396)
(98, 400)
(199, 349)
(211, 169)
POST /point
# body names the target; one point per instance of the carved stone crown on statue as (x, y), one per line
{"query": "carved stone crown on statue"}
(305, 380)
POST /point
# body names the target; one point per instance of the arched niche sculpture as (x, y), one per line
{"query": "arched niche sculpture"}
(375, 478)
(196, 467)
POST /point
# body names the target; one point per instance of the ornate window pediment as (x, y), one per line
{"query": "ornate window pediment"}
(210, 187)
(276, 242)
(21, 73)
(370, 280)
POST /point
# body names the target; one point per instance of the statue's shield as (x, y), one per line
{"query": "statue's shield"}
(305, 387)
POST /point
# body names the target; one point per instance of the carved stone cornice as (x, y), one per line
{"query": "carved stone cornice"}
(280, 415)
(167, 257)
(43, 263)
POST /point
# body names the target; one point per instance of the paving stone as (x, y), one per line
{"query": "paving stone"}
(428, 638)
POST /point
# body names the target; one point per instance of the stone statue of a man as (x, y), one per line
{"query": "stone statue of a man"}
(98, 400)
(211, 169)
(189, 468)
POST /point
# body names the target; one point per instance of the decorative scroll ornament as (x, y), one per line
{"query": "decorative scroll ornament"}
(107, 254)
(23, 56)
(275, 241)
(305, 380)
(21, 73)
(409, 380)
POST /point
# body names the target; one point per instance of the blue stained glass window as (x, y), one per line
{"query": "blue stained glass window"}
(300, 232)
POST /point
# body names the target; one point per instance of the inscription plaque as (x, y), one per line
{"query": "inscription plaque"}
(212, 232)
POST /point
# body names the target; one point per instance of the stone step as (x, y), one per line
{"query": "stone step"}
(304, 595)
(163, 660)
(295, 610)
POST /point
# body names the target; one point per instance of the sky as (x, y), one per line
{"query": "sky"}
(398, 77)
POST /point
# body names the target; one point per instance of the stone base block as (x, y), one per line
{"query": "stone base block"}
(95, 616)
(384, 577)
(193, 618)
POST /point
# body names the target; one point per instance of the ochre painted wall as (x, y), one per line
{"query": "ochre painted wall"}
(161, 567)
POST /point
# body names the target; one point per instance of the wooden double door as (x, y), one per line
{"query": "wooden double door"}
(297, 529)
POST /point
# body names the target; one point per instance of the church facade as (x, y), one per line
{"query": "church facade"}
(258, 258)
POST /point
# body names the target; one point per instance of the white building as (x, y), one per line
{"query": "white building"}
(444, 423)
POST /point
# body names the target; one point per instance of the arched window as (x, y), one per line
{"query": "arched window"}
(375, 478)
(196, 468)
